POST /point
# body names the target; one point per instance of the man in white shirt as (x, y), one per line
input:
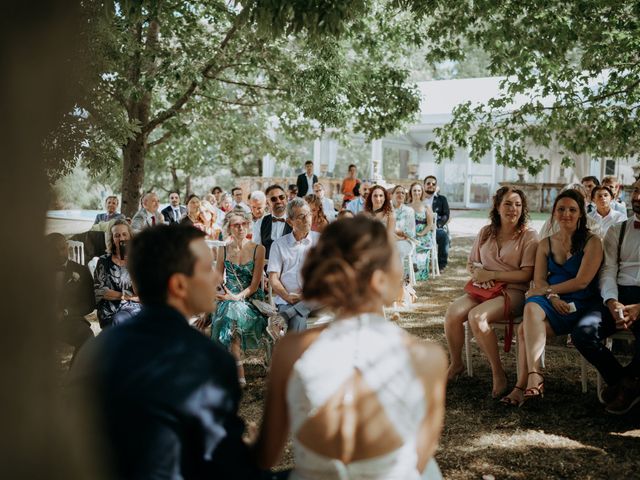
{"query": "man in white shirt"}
(238, 201)
(603, 213)
(148, 215)
(306, 180)
(258, 205)
(174, 211)
(356, 205)
(620, 290)
(274, 225)
(614, 186)
(327, 203)
(285, 265)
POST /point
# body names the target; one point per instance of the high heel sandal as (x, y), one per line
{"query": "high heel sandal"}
(537, 391)
(511, 402)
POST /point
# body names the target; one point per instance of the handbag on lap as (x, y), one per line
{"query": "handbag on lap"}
(499, 289)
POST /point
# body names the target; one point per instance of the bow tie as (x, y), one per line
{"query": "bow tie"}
(274, 219)
(636, 224)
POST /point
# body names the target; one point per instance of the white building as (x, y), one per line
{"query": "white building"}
(465, 183)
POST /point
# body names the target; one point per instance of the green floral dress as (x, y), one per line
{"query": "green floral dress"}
(239, 317)
(423, 249)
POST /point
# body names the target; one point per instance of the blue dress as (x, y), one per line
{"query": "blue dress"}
(239, 318)
(586, 300)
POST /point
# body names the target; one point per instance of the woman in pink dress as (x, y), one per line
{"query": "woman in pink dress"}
(504, 251)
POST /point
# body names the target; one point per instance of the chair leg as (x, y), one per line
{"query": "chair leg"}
(467, 348)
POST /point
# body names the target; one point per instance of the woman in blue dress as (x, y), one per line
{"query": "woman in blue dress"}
(565, 289)
(237, 323)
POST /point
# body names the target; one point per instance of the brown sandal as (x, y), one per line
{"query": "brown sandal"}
(537, 391)
(507, 400)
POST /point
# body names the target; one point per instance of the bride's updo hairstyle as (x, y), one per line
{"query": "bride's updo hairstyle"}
(339, 268)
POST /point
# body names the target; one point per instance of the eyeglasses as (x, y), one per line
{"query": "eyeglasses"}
(275, 198)
(303, 216)
(238, 225)
(430, 183)
(400, 192)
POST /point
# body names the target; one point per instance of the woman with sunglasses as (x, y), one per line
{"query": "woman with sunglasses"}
(237, 323)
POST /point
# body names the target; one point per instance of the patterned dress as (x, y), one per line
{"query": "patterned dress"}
(423, 248)
(406, 223)
(239, 317)
(109, 275)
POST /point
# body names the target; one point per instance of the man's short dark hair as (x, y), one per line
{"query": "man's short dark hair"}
(428, 177)
(234, 189)
(174, 191)
(156, 254)
(308, 162)
(351, 166)
(215, 189)
(293, 188)
(272, 187)
(590, 178)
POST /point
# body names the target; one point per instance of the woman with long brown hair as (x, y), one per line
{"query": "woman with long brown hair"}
(378, 204)
(504, 251)
(362, 397)
(319, 220)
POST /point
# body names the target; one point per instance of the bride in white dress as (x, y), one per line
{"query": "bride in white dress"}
(363, 398)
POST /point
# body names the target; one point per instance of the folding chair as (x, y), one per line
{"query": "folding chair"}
(75, 251)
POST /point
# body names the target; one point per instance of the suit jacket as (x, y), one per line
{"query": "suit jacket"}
(303, 186)
(265, 232)
(142, 219)
(76, 292)
(167, 213)
(167, 397)
(441, 207)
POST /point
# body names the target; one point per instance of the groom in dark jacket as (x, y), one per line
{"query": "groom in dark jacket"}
(166, 396)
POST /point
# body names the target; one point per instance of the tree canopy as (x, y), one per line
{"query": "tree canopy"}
(575, 64)
(182, 83)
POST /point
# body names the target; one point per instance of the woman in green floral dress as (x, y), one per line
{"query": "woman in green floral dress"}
(237, 323)
(424, 234)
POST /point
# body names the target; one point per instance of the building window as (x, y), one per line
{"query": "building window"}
(609, 167)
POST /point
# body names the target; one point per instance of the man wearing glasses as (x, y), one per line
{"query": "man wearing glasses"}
(285, 265)
(273, 226)
(440, 206)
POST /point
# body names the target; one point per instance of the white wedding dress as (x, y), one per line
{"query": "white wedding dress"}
(376, 348)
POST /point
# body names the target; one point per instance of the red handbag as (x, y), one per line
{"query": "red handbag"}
(484, 294)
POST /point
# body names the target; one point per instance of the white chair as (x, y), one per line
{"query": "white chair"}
(75, 251)
(467, 341)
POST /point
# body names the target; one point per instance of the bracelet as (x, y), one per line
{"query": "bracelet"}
(552, 295)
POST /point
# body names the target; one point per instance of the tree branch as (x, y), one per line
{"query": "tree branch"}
(237, 101)
(180, 102)
(248, 85)
(162, 139)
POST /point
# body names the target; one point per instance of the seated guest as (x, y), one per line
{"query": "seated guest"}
(588, 184)
(193, 216)
(405, 226)
(148, 215)
(327, 204)
(565, 289)
(115, 297)
(292, 192)
(211, 198)
(344, 213)
(274, 225)
(217, 192)
(620, 289)
(174, 211)
(361, 397)
(504, 251)
(285, 263)
(258, 205)
(378, 205)
(306, 180)
(424, 230)
(166, 397)
(603, 213)
(111, 207)
(225, 203)
(614, 185)
(238, 199)
(237, 323)
(319, 220)
(73, 288)
(209, 216)
(550, 225)
(360, 194)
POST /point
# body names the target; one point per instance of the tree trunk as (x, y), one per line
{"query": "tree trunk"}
(133, 155)
(175, 180)
(187, 186)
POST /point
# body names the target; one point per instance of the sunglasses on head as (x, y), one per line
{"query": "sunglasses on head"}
(275, 198)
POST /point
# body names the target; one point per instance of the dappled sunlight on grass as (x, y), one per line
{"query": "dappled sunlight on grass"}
(525, 440)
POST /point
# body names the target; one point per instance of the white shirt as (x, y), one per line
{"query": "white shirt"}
(629, 272)
(176, 213)
(619, 207)
(277, 229)
(428, 201)
(286, 258)
(356, 205)
(309, 183)
(612, 218)
(329, 209)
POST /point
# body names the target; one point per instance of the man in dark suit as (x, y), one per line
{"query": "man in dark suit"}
(174, 211)
(74, 297)
(306, 180)
(166, 395)
(440, 206)
(273, 226)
